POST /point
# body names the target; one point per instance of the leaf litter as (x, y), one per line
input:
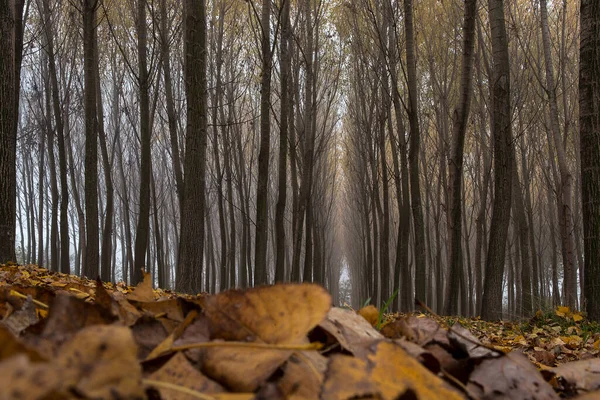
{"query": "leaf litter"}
(64, 337)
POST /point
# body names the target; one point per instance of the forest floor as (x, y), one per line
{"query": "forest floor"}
(64, 337)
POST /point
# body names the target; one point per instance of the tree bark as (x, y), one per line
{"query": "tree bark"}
(461, 117)
(262, 206)
(283, 142)
(60, 132)
(92, 251)
(503, 153)
(415, 142)
(566, 179)
(191, 246)
(589, 125)
(142, 232)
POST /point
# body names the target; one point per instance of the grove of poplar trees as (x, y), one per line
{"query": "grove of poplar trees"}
(447, 151)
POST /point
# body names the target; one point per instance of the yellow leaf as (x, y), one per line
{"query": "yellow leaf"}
(386, 372)
(370, 313)
(520, 340)
(562, 311)
(539, 314)
(577, 317)
(572, 342)
(597, 344)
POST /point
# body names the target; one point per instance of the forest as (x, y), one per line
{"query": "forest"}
(442, 150)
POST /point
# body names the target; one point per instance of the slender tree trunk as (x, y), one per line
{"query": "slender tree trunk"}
(191, 245)
(60, 131)
(170, 103)
(503, 153)
(107, 231)
(461, 117)
(566, 179)
(53, 239)
(142, 232)
(283, 142)
(589, 125)
(262, 195)
(415, 142)
(41, 196)
(92, 251)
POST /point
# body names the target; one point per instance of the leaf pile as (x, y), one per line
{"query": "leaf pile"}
(62, 337)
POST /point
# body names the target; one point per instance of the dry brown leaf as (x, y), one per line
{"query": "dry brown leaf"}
(104, 362)
(69, 314)
(282, 314)
(241, 369)
(509, 377)
(148, 333)
(424, 356)
(143, 291)
(544, 357)
(349, 329)
(23, 379)
(165, 346)
(461, 338)
(303, 375)
(422, 331)
(178, 371)
(387, 373)
(21, 319)
(579, 376)
(12, 346)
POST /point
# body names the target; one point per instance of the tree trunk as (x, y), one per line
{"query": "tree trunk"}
(262, 194)
(92, 251)
(283, 143)
(461, 117)
(589, 125)
(170, 103)
(191, 246)
(503, 153)
(107, 231)
(143, 226)
(566, 179)
(60, 130)
(11, 44)
(415, 142)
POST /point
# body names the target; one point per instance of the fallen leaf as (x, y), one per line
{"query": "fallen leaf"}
(21, 319)
(12, 346)
(69, 314)
(509, 377)
(242, 369)
(143, 291)
(178, 379)
(370, 313)
(350, 330)
(303, 375)
(388, 372)
(562, 311)
(423, 331)
(148, 333)
(22, 379)
(463, 339)
(274, 314)
(104, 363)
(580, 376)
